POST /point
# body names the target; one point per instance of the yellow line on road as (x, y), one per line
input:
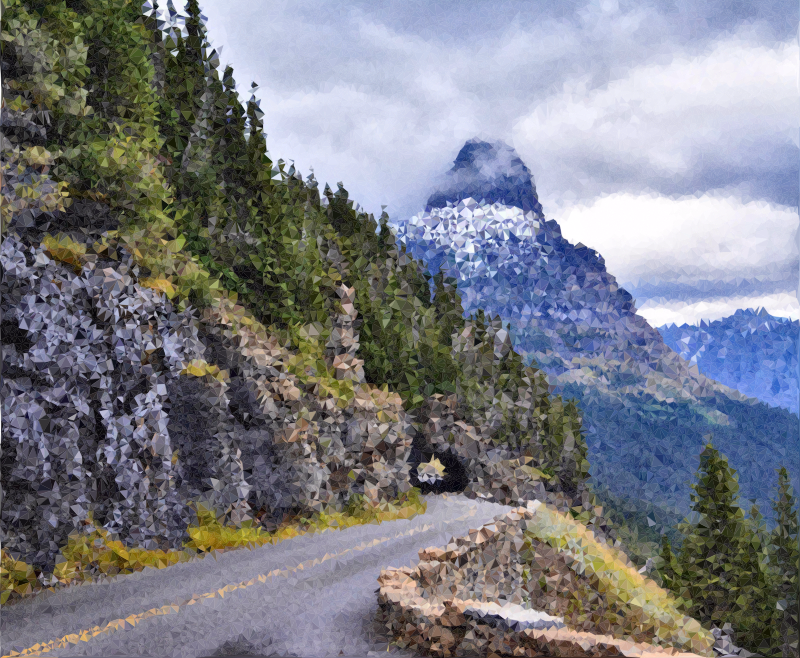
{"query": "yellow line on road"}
(132, 620)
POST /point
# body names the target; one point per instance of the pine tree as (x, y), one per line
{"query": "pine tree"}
(240, 248)
(723, 578)
(668, 565)
(113, 151)
(259, 166)
(157, 53)
(187, 107)
(441, 370)
(785, 537)
(574, 461)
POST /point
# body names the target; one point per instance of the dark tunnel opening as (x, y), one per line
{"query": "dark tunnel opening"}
(455, 477)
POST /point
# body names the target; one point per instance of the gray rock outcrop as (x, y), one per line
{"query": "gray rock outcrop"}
(118, 407)
(501, 473)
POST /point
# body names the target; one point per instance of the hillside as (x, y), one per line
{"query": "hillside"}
(751, 351)
(646, 409)
(188, 327)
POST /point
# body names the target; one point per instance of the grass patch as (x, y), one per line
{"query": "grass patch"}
(633, 597)
(65, 249)
(96, 553)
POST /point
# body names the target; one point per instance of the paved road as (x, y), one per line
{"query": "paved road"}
(310, 596)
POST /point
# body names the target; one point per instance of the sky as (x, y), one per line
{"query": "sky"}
(663, 134)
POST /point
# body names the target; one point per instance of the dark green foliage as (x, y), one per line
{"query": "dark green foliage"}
(511, 404)
(110, 138)
(722, 573)
(668, 564)
(786, 555)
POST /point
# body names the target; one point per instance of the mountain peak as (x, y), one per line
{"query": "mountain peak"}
(490, 171)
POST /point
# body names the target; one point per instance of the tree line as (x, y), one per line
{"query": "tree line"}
(729, 568)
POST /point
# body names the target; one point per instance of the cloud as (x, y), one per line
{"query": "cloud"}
(690, 255)
(659, 313)
(381, 95)
(733, 106)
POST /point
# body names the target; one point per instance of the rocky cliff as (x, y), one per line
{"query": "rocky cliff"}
(119, 405)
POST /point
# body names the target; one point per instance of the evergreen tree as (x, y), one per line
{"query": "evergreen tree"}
(668, 564)
(194, 99)
(445, 319)
(157, 54)
(785, 537)
(723, 577)
(110, 152)
(259, 165)
(574, 459)
(239, 246)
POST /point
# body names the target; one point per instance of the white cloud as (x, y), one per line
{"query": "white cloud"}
(664, 116)
(649, 238)
(660, 312)
(689, 240)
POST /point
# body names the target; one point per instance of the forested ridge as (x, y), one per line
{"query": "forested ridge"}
(144, 122)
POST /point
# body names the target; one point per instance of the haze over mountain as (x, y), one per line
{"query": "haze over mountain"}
(751, 351)
(647, 411)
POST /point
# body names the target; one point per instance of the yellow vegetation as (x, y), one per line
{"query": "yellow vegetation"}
(95, 553)
(66, 250)
(162, 285)
(200, 368)
(638, 598)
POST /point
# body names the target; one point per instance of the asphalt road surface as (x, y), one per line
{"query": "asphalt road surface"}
(310, 597)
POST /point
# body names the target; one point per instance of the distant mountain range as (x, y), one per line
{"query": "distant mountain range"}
(751, 351)
(647, 410)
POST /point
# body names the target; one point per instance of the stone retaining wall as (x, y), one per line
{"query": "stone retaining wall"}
(498, 591)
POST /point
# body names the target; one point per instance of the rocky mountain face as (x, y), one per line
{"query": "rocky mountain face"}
(119, 405)
(493, 172)
(751, 351)
(647, 410)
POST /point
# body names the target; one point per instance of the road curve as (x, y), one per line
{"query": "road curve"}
(311, 596)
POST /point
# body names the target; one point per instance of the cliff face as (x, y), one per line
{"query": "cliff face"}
(118, 405)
